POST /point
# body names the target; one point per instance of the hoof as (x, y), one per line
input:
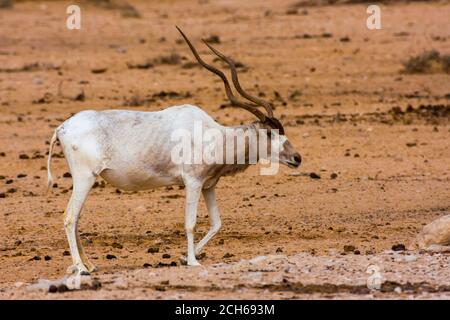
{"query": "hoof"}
(77, 270)
(194, 263)
(93, 269)
(183, 260)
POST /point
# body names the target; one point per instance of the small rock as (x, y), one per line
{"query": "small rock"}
(95, 285)
(314, 175)
(410, 258)
(62, 288)
(53, 289)
(333, 175)
(47, 258)
(398, 247)
(110, 256)
(153, 250)
(227, 255)
(166, 256)
(349, 248)
(99, 70)
(257, 260)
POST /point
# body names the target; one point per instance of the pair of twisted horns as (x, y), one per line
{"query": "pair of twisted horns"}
(253, 108)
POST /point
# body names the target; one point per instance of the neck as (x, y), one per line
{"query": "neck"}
(240, 148)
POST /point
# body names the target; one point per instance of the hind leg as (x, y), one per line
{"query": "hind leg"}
(192, 197)
(89, 265)
(82, 184)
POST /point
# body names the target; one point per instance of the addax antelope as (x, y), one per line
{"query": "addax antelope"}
(133, 151)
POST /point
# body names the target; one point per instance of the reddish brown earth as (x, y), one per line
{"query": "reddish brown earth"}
(341, 99)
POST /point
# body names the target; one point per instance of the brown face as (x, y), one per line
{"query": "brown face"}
(287, 154)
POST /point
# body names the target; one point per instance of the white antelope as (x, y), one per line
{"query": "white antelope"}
(132, 151)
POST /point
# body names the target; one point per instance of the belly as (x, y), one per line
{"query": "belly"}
(135, 180)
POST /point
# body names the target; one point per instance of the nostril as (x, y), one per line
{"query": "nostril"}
(297, 158)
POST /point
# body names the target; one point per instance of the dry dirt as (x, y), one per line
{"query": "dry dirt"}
(337, 87)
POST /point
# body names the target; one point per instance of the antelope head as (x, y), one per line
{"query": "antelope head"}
(276, 137)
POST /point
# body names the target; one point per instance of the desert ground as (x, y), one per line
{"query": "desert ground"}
(376, 138)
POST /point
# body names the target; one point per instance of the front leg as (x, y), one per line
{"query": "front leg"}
(214, 217)
(192, 197)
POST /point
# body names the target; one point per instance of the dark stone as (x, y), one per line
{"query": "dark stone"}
(62, 288)
(153, 250)
(349, 248)
(399, 247)
(314, 175)
(52, 289)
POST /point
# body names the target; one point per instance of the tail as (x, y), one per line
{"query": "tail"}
(49, 161)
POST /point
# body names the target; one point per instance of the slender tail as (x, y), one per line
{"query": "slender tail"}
(49, 161)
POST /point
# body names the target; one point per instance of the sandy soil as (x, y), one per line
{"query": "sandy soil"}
(338, 96)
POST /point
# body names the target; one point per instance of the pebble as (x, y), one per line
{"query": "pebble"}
(349, 248)
(410, 258)
(153, 250)
(53, 289)
(62, 288)
(398, 247)
(314, 175)
(257, 260)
